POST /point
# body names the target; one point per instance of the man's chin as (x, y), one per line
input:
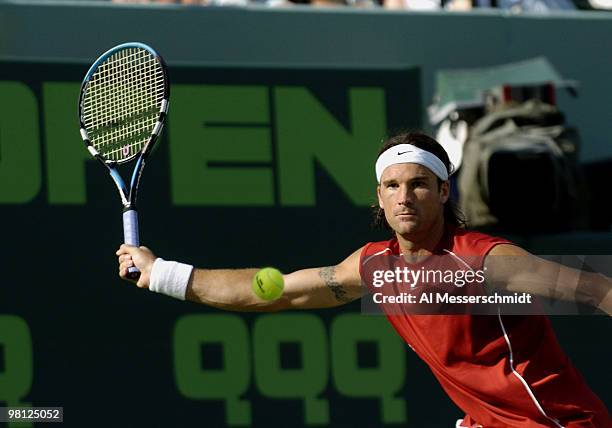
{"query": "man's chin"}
(406, 229)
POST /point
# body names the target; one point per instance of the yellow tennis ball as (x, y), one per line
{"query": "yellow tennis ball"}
(268, 283)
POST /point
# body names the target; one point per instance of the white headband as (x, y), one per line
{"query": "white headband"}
(407, 153)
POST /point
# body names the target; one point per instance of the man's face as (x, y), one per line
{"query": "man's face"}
(411, 197)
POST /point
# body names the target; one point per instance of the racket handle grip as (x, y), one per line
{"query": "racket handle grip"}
(130, 236)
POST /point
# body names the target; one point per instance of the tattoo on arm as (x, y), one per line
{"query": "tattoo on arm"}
(328, 275)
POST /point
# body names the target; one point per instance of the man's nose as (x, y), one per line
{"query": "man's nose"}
(406, 196)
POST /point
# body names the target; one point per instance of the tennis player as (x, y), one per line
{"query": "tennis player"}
(502, 371)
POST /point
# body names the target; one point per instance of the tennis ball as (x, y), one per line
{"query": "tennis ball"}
(268, 283)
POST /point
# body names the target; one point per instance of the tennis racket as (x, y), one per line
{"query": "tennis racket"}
(122, 108)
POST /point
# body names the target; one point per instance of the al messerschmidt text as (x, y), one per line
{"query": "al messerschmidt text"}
(520, 298)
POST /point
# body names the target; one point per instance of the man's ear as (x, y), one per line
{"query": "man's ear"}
(380, 204)
(444, 191)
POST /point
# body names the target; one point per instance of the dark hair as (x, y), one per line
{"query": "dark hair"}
(452, 213)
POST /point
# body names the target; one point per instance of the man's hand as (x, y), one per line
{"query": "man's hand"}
(141, 257)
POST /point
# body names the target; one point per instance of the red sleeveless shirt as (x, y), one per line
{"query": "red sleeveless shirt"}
(503, 371)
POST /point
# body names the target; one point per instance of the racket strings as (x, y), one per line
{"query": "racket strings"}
(122, 102)
(123, 82)
(128, 99)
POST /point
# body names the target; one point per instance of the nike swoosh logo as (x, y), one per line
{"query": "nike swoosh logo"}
(401, 153)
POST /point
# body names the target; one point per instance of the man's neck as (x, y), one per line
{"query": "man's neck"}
(422, 243)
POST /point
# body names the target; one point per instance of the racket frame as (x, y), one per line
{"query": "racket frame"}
(128, 195)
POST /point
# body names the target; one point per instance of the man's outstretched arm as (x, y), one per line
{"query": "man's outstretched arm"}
(512, 268)
(230, 289)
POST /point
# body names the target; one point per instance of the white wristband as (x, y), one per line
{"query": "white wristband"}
(170, 278)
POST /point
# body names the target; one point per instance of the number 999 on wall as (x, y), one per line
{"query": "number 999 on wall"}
(216, 357)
